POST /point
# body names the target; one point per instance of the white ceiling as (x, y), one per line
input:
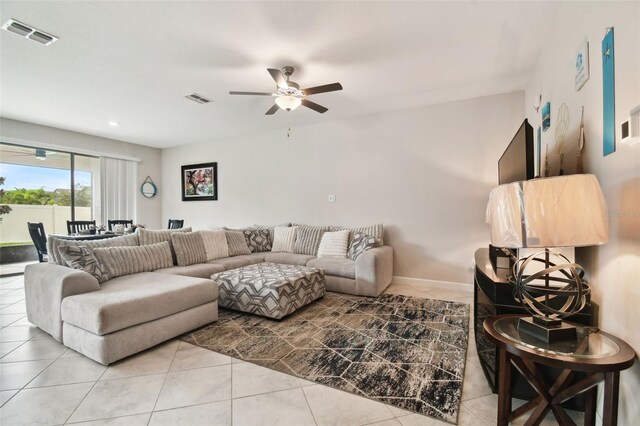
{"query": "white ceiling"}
(132, 62)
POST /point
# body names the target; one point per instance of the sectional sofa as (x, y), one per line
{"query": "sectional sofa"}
(153, 298)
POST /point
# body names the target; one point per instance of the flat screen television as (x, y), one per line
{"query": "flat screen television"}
(517, 161)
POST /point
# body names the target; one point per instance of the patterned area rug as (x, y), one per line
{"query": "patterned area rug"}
(399, 350)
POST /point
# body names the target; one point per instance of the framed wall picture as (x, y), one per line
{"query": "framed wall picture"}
(582, 65)
(199, 182)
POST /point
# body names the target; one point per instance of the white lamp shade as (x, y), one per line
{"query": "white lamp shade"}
(562, 211)
(288, 102)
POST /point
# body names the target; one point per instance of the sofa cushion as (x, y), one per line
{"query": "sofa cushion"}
(135, 299)
(284, 239)
(155, 236)
(361, 243)
(308, 239)
(199, 270)
(189, 248)
(53, 243)
(376, 230)
(83, 259)
(239, 261)
(258, 240)
(288, 258)
(215, 244)
(345, 268)
(237, 243)
(119, 261)
(334, 244)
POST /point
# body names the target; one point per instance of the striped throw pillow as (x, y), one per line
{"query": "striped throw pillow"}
(215, 244)
(334, 244)
(155, 236)
(237, 244)
(376, 230)
(53, 245)
(308, 239)
(284, 239)
(119, 261)
(189, 248)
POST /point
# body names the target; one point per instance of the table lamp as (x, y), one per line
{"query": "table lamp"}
(548, 213)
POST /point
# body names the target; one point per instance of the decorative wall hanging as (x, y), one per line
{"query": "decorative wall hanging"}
(546, 116)
(148, 188)
(562, 124)
(579, 167)
(608, 95)
(200, 182)
(539, 151)
(582, 65)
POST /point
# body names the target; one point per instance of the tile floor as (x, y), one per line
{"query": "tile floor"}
(44, 383)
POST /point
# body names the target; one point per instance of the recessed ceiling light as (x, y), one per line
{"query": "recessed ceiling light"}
(113, 123)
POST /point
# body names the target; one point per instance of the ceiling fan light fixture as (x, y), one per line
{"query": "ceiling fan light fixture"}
(288, 102)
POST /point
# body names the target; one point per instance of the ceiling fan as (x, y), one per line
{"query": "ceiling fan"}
(288, 95)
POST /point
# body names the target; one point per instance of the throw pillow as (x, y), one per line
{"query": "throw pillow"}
(54, 243)
(82, 258)
(215, 244)
(284, 239)
(258, 240)
(155, 236)
(334, 244)
(308, 239)
(376, 230)
(271, 229)
(361, 243)
(119, 261)
(189, 248)
(237, 244)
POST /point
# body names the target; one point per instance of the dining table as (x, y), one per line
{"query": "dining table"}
(85, 237)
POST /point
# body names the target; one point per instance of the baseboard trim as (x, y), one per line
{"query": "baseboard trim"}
(449, 285)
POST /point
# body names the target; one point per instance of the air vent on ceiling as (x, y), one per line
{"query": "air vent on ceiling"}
(26, 31)
(198, 98)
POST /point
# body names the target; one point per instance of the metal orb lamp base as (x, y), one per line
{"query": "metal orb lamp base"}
(548, 303)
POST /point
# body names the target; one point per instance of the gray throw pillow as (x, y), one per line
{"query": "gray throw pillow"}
(308, 239)
(237, 243)
(361, 243)
(189, 248)
(119, 261)
(258, 240)
(83, 259)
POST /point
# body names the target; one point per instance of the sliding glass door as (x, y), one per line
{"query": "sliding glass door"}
(46, 186)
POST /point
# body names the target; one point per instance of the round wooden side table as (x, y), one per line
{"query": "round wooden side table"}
(598, 354)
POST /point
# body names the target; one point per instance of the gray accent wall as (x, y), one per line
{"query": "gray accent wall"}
(425, 173)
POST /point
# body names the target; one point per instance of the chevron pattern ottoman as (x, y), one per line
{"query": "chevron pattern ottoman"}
(269, 289)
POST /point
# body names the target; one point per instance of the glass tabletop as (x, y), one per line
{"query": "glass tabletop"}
(589, 344)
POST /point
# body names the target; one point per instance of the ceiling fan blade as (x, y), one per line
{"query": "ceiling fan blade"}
(322, 89)
(314, 106)
(272, 110)
(278, 77)
(250, 93)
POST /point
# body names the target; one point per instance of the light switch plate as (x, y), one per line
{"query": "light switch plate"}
(332, 198)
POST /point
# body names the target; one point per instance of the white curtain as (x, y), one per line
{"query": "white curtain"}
(118, 189)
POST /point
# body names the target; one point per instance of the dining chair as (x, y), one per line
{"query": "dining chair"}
(39, 238)
(75, 226)
(175, 223)
(112, 223)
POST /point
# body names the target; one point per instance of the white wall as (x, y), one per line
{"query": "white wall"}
(615, 267)
(32, 134)
(425, 173)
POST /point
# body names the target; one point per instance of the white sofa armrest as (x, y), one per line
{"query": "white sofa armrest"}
(46, 285)
(374, 271)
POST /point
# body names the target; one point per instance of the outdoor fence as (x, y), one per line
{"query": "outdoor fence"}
(14, 225)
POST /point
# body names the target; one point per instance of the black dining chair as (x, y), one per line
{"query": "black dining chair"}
(126, 223)
(39, 238)
(175, 223)
(76, 226)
